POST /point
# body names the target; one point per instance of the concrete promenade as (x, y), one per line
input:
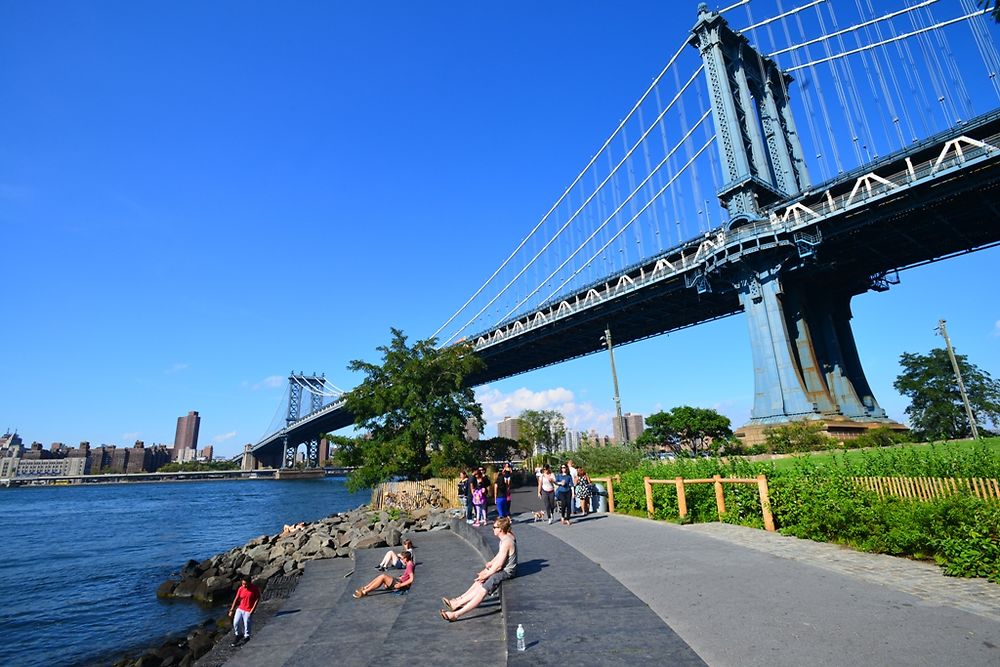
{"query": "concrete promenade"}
(616, 590)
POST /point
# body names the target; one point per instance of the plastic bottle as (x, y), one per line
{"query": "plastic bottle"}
(520, 637)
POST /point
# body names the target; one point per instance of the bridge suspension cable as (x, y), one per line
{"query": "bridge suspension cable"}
(597, 190)
(576, 180)
(876, 45)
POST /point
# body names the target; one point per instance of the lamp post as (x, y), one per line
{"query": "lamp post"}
(958, 376)
(606, 340)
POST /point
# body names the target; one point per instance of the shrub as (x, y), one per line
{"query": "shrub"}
(800, 436)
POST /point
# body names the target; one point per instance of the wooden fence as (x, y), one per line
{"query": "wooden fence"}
(414, 495)
(720, 500)
(929, 488)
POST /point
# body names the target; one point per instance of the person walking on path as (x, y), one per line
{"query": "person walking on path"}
(564, 494)
(501, 491)
(503, 566)
(546, 490)
(583, 490)
(247, 597)
(464, 496)
(394, 558)
(479, 491)
(403, 582)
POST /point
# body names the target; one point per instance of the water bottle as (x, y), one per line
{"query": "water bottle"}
(520, 637)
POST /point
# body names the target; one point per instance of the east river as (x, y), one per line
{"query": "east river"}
(81, 564)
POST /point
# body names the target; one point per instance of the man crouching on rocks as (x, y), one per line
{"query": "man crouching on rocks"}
(247, 597)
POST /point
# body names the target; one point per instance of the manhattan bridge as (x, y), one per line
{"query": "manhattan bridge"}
(777, 166)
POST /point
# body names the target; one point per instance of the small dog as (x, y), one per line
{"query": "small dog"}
(538, 516)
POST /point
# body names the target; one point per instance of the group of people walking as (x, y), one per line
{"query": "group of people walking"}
(474, 493)
(568, 489)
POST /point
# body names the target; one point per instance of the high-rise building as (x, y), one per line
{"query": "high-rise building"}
(509, 428)
(206, 453)
(634, 424)
(471, 430)
(187, 431)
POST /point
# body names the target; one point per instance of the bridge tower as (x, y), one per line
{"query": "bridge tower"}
(806, 363)
(296, 383)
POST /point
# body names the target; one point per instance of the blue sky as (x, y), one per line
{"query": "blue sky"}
(197, 198)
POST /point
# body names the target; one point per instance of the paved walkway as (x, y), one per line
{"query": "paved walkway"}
(616, 590)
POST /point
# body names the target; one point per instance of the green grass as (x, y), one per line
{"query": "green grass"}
(822, 458)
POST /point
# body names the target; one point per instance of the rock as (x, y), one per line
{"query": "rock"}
(214, 589)
(271, 570)
(186, 588)
(190, 569)
(395, 537)
(370, 542)
(201, 643)
(166, 589)
(289, 566)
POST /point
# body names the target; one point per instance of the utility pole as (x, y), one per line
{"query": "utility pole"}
(606, 339)
(958, 376)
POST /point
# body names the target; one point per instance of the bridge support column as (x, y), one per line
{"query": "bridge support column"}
(288, 459)
(313, 454)
(806, 363)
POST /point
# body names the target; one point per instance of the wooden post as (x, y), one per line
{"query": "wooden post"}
(682, 505)
(765, 503)
(611, 496)
(649, 497)
(720, 498)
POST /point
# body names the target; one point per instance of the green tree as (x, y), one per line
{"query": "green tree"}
(498, 449)
(543, 430)
(685, 427)
(413, 405)
(936, 411)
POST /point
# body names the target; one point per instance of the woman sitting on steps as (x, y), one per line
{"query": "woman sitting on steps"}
(403, 582)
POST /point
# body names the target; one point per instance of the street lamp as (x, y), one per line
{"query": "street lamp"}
(958, 376)
(606, 341)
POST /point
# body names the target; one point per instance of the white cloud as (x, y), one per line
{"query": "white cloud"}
(270, 382)
(996, 328)
(225, 436)
(130, 437)
(176, 368)
(580, 416)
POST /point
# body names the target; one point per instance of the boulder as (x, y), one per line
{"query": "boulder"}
(369, 542)
(214, 589)
(186, 588)
(166, 589)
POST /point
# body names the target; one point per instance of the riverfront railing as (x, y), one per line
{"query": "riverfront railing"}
(930, 488)
(680, 483)
(435, 492)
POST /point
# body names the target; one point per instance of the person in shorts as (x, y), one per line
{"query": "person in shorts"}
(503, 566)
(400, 583)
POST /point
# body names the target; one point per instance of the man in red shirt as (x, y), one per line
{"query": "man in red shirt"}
(247, 597)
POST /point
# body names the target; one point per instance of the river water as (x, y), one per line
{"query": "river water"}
(80, 565)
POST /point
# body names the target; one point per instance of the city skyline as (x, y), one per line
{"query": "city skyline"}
(190, 219)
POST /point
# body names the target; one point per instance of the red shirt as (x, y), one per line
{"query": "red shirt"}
(408, 574)
(247, 597)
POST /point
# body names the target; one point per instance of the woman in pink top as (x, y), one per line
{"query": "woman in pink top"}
(403, 582)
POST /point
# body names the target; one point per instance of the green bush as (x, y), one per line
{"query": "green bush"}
(604, 461)
(800, 436)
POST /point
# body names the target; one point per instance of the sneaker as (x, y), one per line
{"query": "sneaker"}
(237, 641)
(380, 568)
(550, 521)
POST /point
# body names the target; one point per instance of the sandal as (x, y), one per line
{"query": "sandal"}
(444, 615)
(447, 604)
